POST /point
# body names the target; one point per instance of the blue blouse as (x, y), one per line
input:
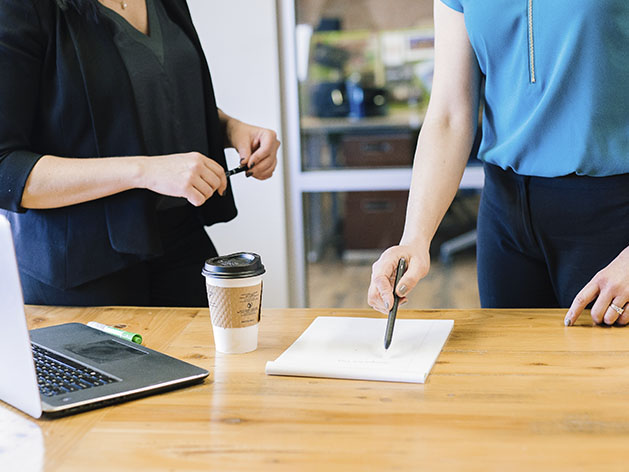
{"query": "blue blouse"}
(556, 84)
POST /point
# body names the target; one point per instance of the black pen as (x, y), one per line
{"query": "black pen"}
(236, 170)
(401, 267)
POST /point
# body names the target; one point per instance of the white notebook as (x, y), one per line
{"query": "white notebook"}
(353, 348)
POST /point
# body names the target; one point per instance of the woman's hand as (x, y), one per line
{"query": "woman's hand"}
(610, 288)
(380, 294)
(192, 176)
(256, 146)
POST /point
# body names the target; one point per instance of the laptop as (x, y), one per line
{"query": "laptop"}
(68, 368)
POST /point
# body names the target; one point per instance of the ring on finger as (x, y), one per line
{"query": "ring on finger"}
(617, 309)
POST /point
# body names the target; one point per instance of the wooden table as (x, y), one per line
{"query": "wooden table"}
(512, 390)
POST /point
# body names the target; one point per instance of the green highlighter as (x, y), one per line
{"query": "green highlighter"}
(133, 337)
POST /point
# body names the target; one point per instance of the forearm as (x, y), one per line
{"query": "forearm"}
(443, 148)
(442, 153)
(227, 123)
(57, 181)
(448, 132)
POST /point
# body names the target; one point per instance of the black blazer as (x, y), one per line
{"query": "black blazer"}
(65, 91)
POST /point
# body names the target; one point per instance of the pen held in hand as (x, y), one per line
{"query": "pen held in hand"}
(236, 170)
(388, 335)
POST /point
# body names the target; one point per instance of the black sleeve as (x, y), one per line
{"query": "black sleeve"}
(22, 49)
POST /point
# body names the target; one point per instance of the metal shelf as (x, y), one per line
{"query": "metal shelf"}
(355, 180)
(301, 182)
(402, 119)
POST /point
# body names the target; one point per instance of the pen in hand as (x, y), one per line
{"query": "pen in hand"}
(236, 170)
(401, 268)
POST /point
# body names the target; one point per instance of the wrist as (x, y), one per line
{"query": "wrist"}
(229, 127)
(136, 170)
(419, 243)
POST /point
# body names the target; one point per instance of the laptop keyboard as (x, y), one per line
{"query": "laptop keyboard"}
(57, 375)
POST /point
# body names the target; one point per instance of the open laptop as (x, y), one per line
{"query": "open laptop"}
(82, 368)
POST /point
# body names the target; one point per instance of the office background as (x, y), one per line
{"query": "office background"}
(298, 220)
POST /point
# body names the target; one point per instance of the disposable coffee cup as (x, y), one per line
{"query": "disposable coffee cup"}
(234, 293)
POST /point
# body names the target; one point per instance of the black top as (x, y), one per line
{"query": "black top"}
(165, 73)
(65, 91)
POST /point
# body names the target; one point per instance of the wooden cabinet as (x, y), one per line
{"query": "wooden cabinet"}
(332, 161)
(373, 220)
(378, 150)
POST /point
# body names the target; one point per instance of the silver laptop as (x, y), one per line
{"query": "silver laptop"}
(67, 368)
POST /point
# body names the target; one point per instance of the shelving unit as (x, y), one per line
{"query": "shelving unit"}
(307, 176)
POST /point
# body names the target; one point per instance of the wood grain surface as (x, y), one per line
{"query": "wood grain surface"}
(512, 390)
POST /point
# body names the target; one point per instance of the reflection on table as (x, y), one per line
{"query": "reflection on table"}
(511, 390)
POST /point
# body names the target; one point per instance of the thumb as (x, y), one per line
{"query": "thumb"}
(410, 278)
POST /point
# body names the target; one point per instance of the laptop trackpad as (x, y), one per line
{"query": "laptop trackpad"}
(104, 351)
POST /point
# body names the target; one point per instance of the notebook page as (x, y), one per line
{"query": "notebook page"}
(353, 348)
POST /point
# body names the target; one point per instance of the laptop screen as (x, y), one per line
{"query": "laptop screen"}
(18, 382)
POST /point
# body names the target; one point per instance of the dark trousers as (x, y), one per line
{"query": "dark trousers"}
(540, 240)
(173, 279)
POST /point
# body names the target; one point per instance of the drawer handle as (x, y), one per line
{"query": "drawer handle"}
(381, 147)
(377, 206)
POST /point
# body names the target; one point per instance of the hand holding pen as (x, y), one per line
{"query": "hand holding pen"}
(388, 335)
(236, 170)
(256, 146)
(380, 293)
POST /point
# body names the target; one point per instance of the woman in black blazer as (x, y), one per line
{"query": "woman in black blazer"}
(112, 151)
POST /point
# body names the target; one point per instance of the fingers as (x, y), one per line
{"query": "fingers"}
(380, 292)
(600, 308)
(263, 161)
(214, 175)
(609, 307)
(202, 188)
(245, 154)
(623, 319)
(585, 296)
(614, 311)
(609, 290)
(263, 169)
(204, 177)
(196, 197)
(257, 148)
(191, 175)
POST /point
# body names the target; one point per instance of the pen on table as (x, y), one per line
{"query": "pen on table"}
(133, 337)
(236, 170)
(401, 267)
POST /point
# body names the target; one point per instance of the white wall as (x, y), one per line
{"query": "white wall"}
(241, 44)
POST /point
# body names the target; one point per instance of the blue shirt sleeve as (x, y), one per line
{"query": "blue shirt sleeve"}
(454, 4)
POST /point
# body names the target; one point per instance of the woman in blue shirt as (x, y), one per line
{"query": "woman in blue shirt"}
(552, 226)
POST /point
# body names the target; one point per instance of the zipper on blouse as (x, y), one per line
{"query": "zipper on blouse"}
(531, 43)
